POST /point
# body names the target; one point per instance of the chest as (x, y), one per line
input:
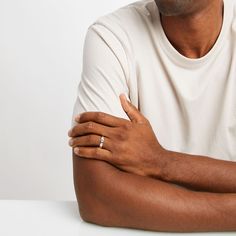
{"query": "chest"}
(192, 111)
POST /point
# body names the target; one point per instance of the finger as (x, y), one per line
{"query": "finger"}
(90, 141)
(93, 153)
(132, 112)
(89, 128)
(101, 118)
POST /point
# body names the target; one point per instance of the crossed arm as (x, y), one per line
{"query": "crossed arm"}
(117, 188)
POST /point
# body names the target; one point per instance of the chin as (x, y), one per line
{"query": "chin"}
(174, 7)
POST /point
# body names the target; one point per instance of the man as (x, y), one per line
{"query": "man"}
(165, 158)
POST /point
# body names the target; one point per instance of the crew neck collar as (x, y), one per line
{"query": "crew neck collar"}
(176, 56)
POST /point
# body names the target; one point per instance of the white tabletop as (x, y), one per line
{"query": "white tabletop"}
(42, 218)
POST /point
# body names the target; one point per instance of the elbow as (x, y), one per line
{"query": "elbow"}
(94, 215)
(88, 185)
(90, 207)
(86, 214)
(93, 210)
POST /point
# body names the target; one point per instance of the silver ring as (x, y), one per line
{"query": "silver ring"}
(102, 140)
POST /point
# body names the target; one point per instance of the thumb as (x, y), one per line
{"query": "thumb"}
(132, 112)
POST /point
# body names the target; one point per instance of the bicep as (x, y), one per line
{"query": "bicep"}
(104, 74)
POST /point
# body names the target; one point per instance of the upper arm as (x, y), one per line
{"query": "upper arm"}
(104, 77)
(104, 74)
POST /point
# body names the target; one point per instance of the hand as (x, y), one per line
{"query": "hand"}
(129, 145)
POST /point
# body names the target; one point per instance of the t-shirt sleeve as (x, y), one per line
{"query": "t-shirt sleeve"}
(104, 74)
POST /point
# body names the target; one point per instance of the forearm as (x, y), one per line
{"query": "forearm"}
(110, 197)
(150, 159)
(200, 172)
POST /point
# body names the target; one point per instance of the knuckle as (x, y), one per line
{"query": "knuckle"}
(89, 125)
(96, 152)
(143, 121)
(128, 126)
(100, 116)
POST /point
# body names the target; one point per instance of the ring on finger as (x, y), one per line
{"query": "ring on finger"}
(102, 140)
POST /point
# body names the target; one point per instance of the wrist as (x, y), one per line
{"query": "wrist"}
(165, 163)
(174, 167)
(159, 167)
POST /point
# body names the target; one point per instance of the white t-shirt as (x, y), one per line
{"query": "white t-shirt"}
(190, 103)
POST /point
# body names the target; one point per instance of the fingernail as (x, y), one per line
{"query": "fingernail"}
(77, 118)
(76, 150)
(124, 96)
(71, 142)
(69, 132)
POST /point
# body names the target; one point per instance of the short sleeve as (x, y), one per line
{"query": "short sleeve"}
(104, 74)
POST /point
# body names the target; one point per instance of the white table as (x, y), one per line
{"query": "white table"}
(54, 218)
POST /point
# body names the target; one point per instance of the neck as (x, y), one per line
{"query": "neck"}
(195, 34)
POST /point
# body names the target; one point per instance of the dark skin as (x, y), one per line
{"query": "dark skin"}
(119, 190)
(129, 182)
(133, 147)
(110, 197)
(186, 26)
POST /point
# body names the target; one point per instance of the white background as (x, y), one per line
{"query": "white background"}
(41, 46)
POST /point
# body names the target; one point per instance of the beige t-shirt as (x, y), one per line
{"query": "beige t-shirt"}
(190, 103)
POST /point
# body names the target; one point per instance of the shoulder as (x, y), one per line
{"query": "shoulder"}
(126, 22)
(127, 16)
